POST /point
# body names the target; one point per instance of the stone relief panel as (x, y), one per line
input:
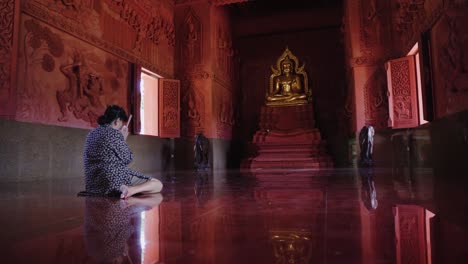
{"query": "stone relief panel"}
(9, 11)
(408, 18)
(194, 108)
(372, 24)
(64, 81)
(225, 52)
(224, 111)
(449, 42)
(376, 101)
(191, 40)
(145, 32)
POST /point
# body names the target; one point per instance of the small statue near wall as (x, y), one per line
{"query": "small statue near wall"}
(366, 143)
(201, 151)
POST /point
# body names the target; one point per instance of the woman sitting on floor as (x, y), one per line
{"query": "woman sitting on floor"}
(107, 156)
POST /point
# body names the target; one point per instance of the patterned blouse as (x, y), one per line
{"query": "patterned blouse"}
(106, 157)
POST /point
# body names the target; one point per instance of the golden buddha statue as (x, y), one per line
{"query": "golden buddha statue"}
(288, 83)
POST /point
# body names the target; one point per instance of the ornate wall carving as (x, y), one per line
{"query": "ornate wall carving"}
(191, 40)
(169, 108)
(401, 89)
(372, 23)
(408, 18)
(225, 52)
(9, 12)
(194, 101)
(364, 61)
(141, 27)
(64, 81)
(225, 113)
(376, 102)
(449, 44)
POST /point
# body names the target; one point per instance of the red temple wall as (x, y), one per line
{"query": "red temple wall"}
(378, 31)
(72, 62)
(205, 68)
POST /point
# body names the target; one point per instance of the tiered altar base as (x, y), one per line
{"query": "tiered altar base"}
(287, 139)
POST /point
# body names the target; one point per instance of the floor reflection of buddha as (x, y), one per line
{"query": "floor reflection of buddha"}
(287, 86)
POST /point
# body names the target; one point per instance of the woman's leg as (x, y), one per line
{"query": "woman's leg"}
(151, 186)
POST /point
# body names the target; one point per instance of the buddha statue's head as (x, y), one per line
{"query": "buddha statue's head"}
(287, 65)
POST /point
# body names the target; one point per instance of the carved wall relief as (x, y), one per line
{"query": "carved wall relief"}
(40, 48)
(82, 11)
(65, 81)
(224, 112)
(401, 90)
(144, 19)
(81, 97)
(372, 23)
(376, 102)
(130, 29)
(225, 52)
(9, 12)
(408, 18)
(191, 48)
(449, 42)
(193, 110)
(194, 103)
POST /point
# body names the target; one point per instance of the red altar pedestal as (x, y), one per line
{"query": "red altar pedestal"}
(287, 139)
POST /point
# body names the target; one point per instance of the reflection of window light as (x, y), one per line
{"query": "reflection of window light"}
(142, 236)
(142, 105)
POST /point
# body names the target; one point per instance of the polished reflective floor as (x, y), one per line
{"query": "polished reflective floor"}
(301, 216)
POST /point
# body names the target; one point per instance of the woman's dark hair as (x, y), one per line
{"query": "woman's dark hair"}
(112, 112)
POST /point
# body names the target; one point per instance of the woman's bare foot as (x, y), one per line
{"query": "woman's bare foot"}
(125, 192)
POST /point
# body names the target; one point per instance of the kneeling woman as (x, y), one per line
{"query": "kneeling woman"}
(107, 155)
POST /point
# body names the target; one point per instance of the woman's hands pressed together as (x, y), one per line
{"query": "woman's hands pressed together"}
(124, 131)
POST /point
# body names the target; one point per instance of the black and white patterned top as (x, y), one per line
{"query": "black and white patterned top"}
(106, 157)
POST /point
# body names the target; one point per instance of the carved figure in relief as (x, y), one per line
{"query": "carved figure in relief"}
(82, 97)
(221, 46)
(75, 4)
(373, 24)
(41, 45)
(408, 16)
(153, 31)
(41, 48)
(288, 83)
(376, 104)
(190, 39)
(226, 113)
(191, 112)
(403, 107)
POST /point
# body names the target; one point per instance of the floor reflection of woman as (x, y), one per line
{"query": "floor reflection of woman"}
(110, 225)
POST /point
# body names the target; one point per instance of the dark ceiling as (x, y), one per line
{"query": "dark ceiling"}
(267, 7)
